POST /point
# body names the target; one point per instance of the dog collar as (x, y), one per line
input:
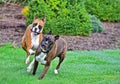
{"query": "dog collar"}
(44, 51)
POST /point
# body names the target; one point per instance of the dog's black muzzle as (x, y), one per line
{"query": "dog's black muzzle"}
(44, 48)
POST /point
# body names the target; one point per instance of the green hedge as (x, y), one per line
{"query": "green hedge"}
(106, 10)
(66, 17)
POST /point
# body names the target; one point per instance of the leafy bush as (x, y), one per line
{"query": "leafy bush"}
(25, 11)
(63, 17)
(38, 7)
(106, 10)
(96, 25)
(1, 2)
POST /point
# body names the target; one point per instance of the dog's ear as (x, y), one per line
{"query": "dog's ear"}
(49, 33)
(44, 18)
(56, 37)
(35, 17)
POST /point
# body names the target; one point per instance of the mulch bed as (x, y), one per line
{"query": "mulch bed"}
(12, 27)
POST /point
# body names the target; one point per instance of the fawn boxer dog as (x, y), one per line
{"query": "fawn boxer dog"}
(33, 36)
(50, 48)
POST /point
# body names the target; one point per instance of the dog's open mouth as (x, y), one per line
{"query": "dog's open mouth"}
(36, 33)
(43, 48)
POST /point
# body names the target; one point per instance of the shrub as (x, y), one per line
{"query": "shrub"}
(63, 17)
(1, 2)
(106, 10)
(38, 7)
(25, 11)
(96, 25)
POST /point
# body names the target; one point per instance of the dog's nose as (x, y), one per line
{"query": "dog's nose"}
(35, 29)
(43, 46)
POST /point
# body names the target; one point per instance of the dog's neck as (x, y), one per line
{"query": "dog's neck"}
(52, 50)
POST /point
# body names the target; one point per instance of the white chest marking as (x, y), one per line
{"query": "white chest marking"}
(35, 41)
(40, 58)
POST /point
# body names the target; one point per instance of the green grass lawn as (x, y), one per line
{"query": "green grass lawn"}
(79, 67)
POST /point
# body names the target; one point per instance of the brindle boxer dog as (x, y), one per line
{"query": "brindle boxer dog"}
(50, 48)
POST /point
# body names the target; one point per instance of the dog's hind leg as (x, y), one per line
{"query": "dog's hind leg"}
(61, 58)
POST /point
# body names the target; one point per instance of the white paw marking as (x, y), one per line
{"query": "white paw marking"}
(29, 68)
(31, 52)
(27, 60)
(55, 71)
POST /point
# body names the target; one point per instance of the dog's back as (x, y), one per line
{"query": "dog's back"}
(61, 46)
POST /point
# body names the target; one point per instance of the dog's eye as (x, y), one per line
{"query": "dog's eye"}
(34, 24)
(40, 27)
(50, 42)
(45, 39)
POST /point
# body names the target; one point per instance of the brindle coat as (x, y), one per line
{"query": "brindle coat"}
(58, 49)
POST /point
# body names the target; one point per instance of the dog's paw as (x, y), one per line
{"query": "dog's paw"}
(33, 73)
(28, 69)
(27, 60)
(55, 71)
(43, 62)
(31, 52)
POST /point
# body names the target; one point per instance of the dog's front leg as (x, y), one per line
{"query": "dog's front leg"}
(35, 67)
(44, 72)
(31, 52)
